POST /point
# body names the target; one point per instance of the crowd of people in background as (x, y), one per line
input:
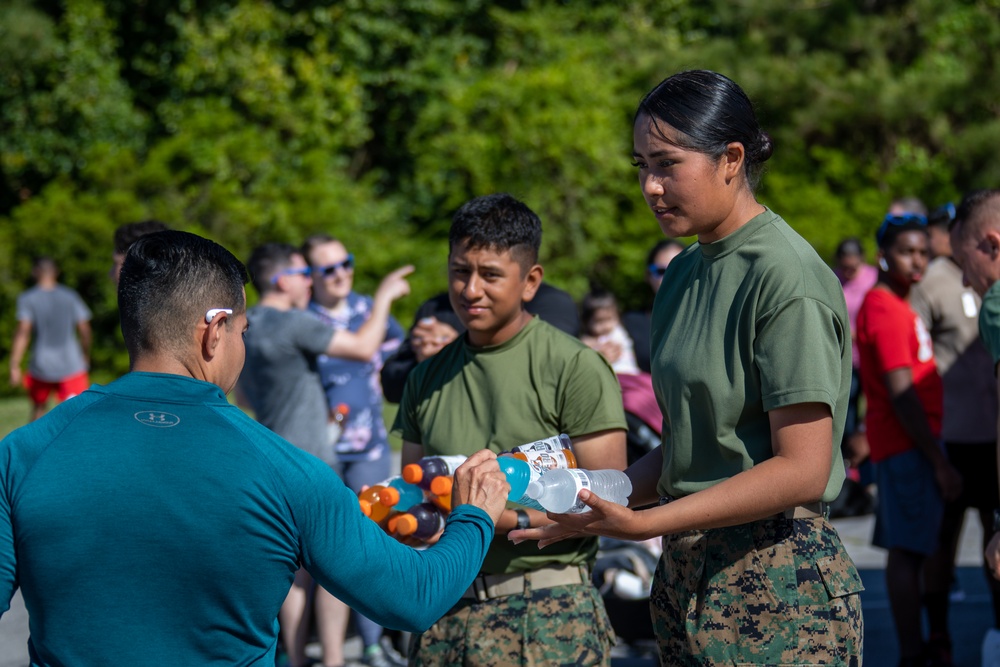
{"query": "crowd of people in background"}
(926, 439)
(902, 368)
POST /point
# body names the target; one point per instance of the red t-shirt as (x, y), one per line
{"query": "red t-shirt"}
(891, 336)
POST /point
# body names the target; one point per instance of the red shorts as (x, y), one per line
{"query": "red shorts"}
(39, 390)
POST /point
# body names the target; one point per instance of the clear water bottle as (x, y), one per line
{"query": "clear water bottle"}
(558, 490)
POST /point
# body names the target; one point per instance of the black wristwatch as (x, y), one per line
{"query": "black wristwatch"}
(996, 521)
(524, 521)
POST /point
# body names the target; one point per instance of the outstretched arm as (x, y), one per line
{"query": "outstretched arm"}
(22, 338)
(413, 588)
(361, 345)
(797, 473)
(86, 336)
(910, 413)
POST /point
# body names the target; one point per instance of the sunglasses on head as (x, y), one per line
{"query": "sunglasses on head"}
(331, 269)
(898, 221)
(942, 215)
(303, 271)
(656, 271)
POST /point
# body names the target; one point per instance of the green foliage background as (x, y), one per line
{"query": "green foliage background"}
(251, 121)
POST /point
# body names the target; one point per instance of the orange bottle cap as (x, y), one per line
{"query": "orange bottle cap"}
(390, 525)
(366, 507)
(406, 524)
(444, 502)
(442, 485)
(388, 496)
(413, 473)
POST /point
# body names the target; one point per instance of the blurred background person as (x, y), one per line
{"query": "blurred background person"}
(856, 278)
(602, 330)
(352, 388)
(638, 322)
(60, 322)
(280, 382)
(903, 419)
(950, 311)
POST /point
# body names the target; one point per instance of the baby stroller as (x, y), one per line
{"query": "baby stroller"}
(623, 573)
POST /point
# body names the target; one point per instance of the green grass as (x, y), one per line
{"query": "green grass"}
(13, 413)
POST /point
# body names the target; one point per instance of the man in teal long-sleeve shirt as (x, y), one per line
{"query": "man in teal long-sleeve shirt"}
(151, 522)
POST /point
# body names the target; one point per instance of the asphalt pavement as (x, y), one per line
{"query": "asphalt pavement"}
(971, 614)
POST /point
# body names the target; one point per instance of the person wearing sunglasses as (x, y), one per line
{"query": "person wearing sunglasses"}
(281, 383)
(638, 322)
(362, 448)
(150, 521)
(950, 311)
(903, 423)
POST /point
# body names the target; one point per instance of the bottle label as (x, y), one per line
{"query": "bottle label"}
(541, 460)
(551, 444)
(582, 480)
(452, 462)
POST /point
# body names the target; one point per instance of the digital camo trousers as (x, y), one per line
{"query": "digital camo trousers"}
(564, 625)
(773, 592)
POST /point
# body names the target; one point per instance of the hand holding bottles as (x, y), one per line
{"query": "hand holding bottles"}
(605, 517)
(480, 482)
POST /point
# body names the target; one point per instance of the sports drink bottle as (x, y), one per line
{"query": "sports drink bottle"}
(409, 494)
(423, 521)
(423, 472)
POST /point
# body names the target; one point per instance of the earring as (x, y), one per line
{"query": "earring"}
(882, 264)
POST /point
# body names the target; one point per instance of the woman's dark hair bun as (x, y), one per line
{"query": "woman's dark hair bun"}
(762, 149)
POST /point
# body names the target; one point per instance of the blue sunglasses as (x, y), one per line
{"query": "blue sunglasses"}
(943, 215)
(304, 271)
(899, 221)
(656, 271)
(331, 269)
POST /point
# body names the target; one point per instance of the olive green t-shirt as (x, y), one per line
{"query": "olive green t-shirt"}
(539, 383)
(989, 322)
(749, 323)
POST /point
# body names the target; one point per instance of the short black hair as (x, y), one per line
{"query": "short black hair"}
(168, 281)
(849, 247)
(266, 261)
(942, 216)
(131, 232)
(44, 263)
(970, 204)
(892, 232)
(598, 298)
(314, 241)
(498, 222)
